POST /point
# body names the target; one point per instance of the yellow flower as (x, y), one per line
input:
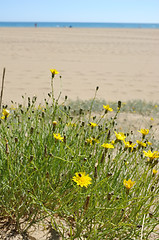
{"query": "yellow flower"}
(57, 136)
(129, 144)
(151, 155)
(120, 136)
(107, 145)
(82, 179)
(12, 107)
(54, 123)
(5, 113)
(92, 140)
(154, 171)
(142, 144)
(128, 184)
(144, 131)
(107, 108)
(53, 71)
(93, 124)
(71, 124)
(149, 143)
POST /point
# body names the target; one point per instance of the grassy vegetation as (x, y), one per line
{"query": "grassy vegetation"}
(57, 161)
(134, 106)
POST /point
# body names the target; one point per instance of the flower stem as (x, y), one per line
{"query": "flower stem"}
(52, 88)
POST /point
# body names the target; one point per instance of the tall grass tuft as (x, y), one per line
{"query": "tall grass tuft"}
(80, 171)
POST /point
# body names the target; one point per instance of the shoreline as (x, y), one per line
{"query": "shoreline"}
(122, 62)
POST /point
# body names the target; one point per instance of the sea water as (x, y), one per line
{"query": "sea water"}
(79, 25)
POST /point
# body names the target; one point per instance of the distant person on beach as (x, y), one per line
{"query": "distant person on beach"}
(35, 24)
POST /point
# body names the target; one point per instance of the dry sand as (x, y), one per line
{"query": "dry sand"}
(124, 63)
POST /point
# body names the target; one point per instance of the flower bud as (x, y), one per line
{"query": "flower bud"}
(54, 123)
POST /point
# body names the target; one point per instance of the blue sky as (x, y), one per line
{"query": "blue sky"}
(142, 11)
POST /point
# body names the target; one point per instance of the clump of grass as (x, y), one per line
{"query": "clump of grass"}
(135, 106)
(91, 180)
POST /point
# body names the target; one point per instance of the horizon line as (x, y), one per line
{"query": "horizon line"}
(80, 22)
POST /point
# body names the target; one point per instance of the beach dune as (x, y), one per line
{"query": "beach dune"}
(122, 62)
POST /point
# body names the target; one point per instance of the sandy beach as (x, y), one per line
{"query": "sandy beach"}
(124, 63)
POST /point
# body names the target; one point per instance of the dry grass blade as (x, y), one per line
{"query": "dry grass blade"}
(4, 70)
